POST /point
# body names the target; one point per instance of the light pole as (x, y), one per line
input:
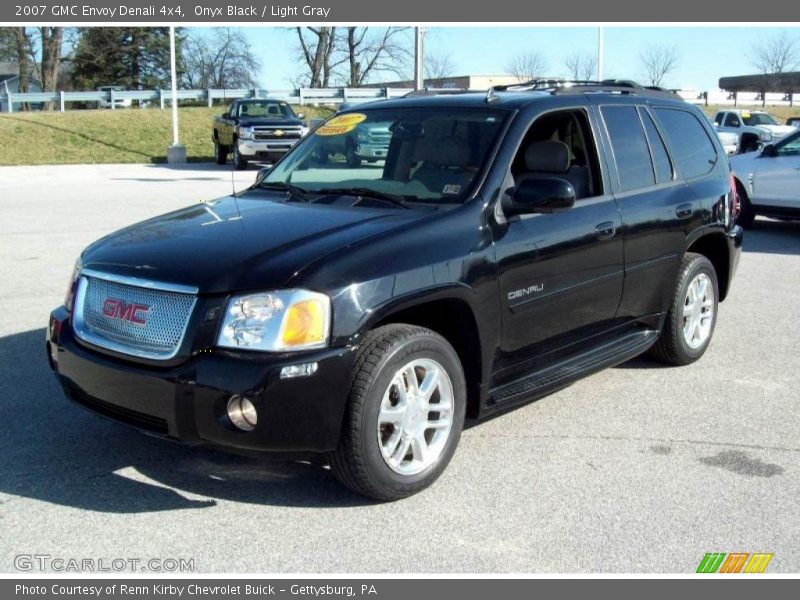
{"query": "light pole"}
(419, 58)
(600, 54)
(176, 153)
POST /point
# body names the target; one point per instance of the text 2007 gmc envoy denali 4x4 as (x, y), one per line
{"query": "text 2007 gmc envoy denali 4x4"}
(509, 243)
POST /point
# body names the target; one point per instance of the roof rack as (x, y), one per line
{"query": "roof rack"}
(572, 86)
(436, 92)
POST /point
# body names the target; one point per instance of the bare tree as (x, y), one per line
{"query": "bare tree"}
(777, 54)
(37, 52)
(773, 57)
(581, 66)
(317, 46)
(527, 65)
(658, 62)
(372, 51)
(438, 67)
(222, 61)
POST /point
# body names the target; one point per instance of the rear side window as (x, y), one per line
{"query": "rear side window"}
(693, 150)
(658, 150)
(631, 154)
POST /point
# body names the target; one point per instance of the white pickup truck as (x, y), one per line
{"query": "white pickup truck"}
(753, 127)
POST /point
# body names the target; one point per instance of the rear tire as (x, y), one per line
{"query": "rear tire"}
(394, 443)
(692, 316)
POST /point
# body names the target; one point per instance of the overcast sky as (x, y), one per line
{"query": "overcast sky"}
(706, 53)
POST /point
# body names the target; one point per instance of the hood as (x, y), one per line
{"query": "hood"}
(253, 241)
(259, 121)
(778, 130)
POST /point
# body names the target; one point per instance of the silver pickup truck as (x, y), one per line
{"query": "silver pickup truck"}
(256, 129)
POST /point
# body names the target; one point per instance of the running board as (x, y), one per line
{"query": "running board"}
(574, 368)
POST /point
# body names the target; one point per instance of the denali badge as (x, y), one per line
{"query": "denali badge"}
(119, 309)
(534, 289)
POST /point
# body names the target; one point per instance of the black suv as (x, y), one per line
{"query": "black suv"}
(509, 244)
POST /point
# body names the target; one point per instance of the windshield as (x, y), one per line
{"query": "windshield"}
(758, 119)
(419, 154)
(265, 108)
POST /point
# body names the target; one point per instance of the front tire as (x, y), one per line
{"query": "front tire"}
(353, 160)
(692, 316)
(404, 415)
(747, 216)
(220, 153)
(239, 162)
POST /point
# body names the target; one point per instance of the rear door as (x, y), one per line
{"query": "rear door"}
(657, 208)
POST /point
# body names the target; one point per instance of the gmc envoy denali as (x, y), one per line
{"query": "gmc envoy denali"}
(508, 244)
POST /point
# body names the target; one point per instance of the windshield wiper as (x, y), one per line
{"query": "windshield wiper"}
(363, 192)
(295, 191)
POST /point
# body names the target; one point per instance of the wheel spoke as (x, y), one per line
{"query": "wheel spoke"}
(400, 451)
(412, 383)
(391, 414)
(420, 450)
(429, 384)
(388, 449)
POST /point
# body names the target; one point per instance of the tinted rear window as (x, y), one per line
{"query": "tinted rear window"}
(693, 150)
(661, 162)
(631, 154)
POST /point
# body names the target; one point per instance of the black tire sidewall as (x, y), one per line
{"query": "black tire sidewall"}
(431, 347)
(699, 265)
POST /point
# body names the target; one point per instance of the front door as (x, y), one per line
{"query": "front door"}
(777, 178)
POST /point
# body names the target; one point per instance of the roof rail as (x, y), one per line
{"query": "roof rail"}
(572, 86)
(436, 92)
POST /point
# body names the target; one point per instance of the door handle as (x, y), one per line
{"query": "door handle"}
(684, 211)
(606, 230)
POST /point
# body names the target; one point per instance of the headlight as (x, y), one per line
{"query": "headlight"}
(362, 135)
(765, 136)
(304, 131)
(244, 132)
(69, 297)
(276, 321)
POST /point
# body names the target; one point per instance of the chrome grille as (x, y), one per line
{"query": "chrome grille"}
(132, 316)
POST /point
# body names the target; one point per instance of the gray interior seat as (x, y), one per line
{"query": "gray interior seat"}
(551, 158)
(445, 164)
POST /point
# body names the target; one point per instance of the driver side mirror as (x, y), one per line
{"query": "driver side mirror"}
(539, 195)
(301, 115)
(769, 150)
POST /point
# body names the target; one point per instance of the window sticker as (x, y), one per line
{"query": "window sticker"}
(341, 124)
(745, 114)
(451, 188)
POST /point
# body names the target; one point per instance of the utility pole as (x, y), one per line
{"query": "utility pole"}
(600, 43)
(176, 153)
(419, 58)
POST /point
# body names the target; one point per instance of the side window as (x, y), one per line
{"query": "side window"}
(694, 152)
(790, 147)
(560, 145)
(718, 118)
(629, 144)
(732, 120)
(658, 151)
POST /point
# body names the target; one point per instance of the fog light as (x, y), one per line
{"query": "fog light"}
(242, 413)
(301, 370)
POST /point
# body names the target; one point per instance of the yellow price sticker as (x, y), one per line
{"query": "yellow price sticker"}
(341, 124)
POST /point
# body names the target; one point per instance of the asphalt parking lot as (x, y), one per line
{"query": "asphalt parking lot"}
(640, 468)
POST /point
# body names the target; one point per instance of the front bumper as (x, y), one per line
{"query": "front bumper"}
(263, 148)
(188, 402)
(370, 151)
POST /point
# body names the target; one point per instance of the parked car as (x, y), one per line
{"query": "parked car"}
(768, 181)
(118, 102)
(252, 129)
(793, 122)
(511, 243)
(753, 127)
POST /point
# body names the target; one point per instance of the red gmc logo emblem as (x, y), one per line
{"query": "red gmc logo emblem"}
(118, 309)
